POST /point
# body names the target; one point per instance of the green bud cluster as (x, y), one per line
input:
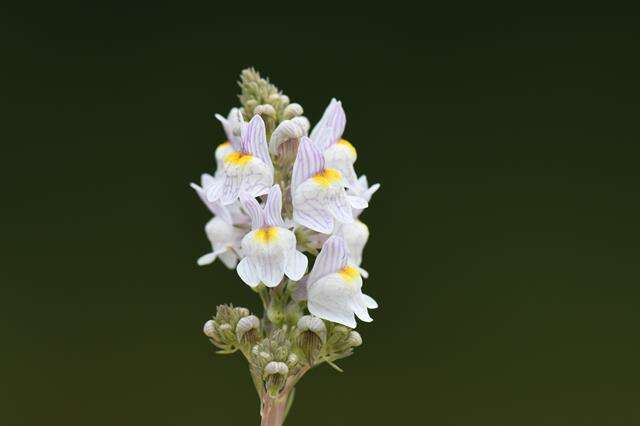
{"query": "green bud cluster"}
(259, 96)
(223, 330)
(273, 360)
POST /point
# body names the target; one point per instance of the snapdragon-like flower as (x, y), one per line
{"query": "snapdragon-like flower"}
(327, 134)
(248, 169)
(270, 248)
(334, 286)
(319, 196)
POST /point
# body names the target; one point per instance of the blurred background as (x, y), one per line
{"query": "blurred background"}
(504, 241)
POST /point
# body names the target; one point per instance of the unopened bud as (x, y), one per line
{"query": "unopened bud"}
(313, 324)
(275, 313)
(210, 329)
(249, 106)
(292, 360)
(281, 353)
(312, 334)
(275, 375)
(266, 356)
(242, 312)
(226, 333)
(247, 329)
(354, 339)
(292, 110)
(265, 110)
(340, 332)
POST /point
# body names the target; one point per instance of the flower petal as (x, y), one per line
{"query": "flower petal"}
(330, 298)
(333, 118)
(363, 272)
(231, 125)
(214, 191)
(332, 258)
(230, 189)
(270, 269)
(309, 161)
(214, 206)
(273, 207)
(206, 259)
(369, 302)
(229, 258)
(340, 209)
(288, 129)
(254, 140)
(248, 272)
(300, 293)
(253, 209)
(359, 308)
(296, 265)
(318, 220)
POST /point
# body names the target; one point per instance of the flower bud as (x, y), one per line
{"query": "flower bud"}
(312, 334)
(281, 353)
(340, 332)
(354, 339)
(292, 110)
(275, 375)
(265, 110)
(247, 329)
(292, 360)
(292, 312)
(313, 324)
(242, 312)
(210, 329)
(226, 333)
(275, 312)
(266, 356)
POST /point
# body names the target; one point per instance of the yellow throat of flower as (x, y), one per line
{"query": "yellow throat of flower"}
(266, 235)
(327, 177)
(348, 273)
(238, 158)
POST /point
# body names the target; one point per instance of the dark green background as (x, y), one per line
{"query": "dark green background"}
(504, 246)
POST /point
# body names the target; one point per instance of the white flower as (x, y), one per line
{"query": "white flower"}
(327, 134)
(334, 287)
(318, 192)
(269, 249)
(248, 169)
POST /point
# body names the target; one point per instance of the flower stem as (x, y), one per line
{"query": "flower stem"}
(274, 409)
